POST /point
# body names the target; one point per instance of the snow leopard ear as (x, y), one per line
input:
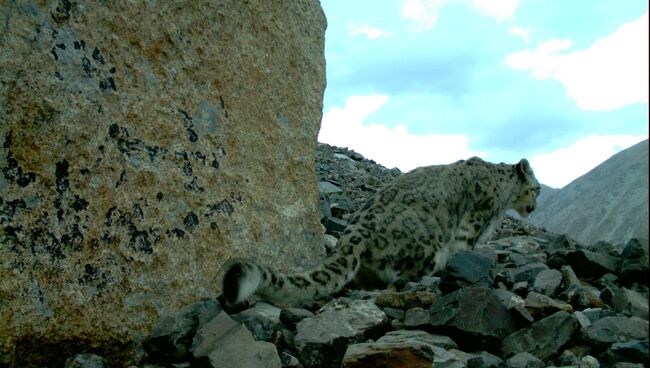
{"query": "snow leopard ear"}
(523, 169)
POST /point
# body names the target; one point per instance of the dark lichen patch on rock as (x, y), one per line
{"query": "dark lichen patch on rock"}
(61, 12)
(119, 221)
(225, 206)
(134, 146)
(191, 221)
(13, 172)
(189, 126)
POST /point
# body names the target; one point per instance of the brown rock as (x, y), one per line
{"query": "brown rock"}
(394, 355)
(142, 145)
(405, 299)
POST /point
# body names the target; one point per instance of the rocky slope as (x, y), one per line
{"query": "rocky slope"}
(527, 298)
(608, 203)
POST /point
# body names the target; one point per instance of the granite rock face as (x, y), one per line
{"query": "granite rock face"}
(142, 145)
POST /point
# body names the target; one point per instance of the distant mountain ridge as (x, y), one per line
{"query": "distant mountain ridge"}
(608, 203)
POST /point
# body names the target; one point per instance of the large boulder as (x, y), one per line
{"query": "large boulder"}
(474, 317)
(142, 145)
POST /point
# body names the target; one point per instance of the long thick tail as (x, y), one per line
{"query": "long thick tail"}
(245, 278)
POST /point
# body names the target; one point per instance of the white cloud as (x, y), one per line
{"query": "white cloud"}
(524, 33)
(423, 14)
(611, 73)
(391, 147)
(499, 9)
(558, 168)
(355, 29)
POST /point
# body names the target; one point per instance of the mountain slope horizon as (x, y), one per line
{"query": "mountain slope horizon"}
(608, 203)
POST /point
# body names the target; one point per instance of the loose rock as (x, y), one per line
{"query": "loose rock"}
(547, 282)
(616, 329)
(262, 320)
(524, 360)
(222, 342)
(416, 317)
(544, 338)
(630, 303)
(634, 263)
(322, 340)
(86, 361)
(405, 300)
(467, 269)
(171, 339)
(474, 316)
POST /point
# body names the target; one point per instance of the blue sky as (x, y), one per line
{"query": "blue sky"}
(421, 82)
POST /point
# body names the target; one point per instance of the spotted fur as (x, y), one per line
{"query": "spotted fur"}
(406, 230)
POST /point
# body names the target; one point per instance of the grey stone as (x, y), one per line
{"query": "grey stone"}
(325, 187)
(289, 361)
(330, 241)
(629, 365)
(207, 337)
(446, 359)
(222, 342)
(342, 156)
(543, 305)
(605, 248)
(86, 361)
(589, 361)
(609, 280)
(431, 283)
(527, 272)
(396, 324)
(524, 360)
(568, 357)
(588, 264)
(594, 314)
(415, 317)
(579, 295)
(291, 316)
(485, 360)
(543, 338)
(562, 241)
(405, 336)
(394, 313)
(467, 268)
(569, 277)
(324, 206)
(475, 316)
(514, 302)
(464, 357)
(321, 341)
(171, 338)
(548, 282)
(520, 288)
(631, 351)
(262, 320)
(582, 319)
(609, 330)
(334, 226)
(630, 303)
(517, 259)
(406, 299)
(339, 206)
(240, 350)
(634, 262)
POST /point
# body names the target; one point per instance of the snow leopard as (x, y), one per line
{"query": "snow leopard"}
(406, 230)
